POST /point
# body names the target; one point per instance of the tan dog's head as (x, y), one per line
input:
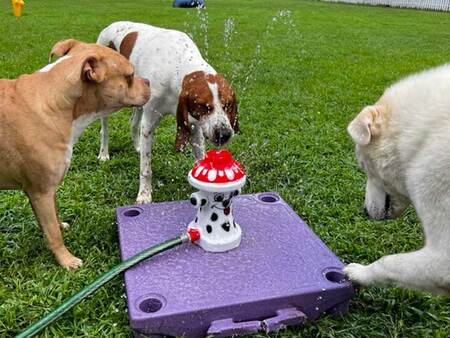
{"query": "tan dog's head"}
(107, 77)
(208, 102)
(376, 154)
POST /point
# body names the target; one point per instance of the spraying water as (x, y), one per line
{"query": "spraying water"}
(197, 29)
(202, 17)
(282, 17)
(190, 29)
(228, 36)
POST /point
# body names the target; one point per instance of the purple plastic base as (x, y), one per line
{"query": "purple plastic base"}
(281, 275)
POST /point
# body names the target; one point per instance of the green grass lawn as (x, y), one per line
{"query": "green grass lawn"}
(316, 67)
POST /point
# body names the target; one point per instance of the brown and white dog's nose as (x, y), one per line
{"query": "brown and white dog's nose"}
(222, 135)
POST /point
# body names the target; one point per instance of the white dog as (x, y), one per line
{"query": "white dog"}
(182, 83)
(403, 144)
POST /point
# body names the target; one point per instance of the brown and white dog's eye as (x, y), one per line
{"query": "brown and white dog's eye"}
(201, 109)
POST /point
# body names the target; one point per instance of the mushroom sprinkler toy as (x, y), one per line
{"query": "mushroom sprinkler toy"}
(218, 178)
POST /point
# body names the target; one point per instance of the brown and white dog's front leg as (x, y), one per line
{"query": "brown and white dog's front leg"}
(136, 127)
(150, 120)
(198, 143)
(44, 207)
(103, 155)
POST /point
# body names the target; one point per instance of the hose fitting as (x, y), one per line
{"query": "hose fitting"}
(193, 234)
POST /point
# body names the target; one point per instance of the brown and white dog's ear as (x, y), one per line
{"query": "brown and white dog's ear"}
(231, 104)
(366, 125)
(93, 70)
(234, 117)
(235, 126)
(183, 130)
(62, 48)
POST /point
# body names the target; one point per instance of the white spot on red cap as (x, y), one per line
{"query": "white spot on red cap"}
(230, 174)
(212, 174)
(198, 171)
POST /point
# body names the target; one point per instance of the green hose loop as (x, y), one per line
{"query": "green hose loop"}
(102, 280)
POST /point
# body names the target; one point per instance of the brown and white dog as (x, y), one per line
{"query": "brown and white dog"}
(43, 114)
(183, 83)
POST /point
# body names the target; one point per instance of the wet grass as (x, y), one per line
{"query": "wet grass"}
(310, 78)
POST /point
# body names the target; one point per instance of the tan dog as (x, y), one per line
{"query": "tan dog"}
(42, 115)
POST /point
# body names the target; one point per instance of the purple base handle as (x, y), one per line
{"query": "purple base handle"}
(285, 317)
(227, 327)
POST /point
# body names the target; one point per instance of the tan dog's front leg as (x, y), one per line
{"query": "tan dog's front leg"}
(44, 207)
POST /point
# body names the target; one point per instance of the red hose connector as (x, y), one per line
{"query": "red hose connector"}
(193, 234)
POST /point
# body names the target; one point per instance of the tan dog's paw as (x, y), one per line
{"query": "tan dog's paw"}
(358, 273)
(144, 197)
(70, 262)
(64, 225)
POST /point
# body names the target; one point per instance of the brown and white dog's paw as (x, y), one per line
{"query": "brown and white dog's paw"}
(64, 225)
(144, 197)
(103, 156)
(70, 262)
(359, 274)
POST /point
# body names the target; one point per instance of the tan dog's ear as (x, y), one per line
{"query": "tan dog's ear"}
(92, 70)
(183, 130)
(366, 126)
(62, 48)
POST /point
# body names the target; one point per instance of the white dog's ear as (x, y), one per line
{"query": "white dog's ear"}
(366, 126)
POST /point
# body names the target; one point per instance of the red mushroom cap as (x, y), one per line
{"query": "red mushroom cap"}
(217, 172)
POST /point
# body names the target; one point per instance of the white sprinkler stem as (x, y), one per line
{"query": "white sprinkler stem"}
(218, 178)
(214, 220)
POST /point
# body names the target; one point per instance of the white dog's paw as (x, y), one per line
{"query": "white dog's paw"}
(144, 198)
(64, 225)
(103, 156)
(359, 274)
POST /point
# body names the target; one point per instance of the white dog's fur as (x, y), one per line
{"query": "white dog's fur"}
(173, 64)
(403, 144)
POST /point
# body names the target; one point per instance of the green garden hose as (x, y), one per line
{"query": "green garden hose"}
(102, 280)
